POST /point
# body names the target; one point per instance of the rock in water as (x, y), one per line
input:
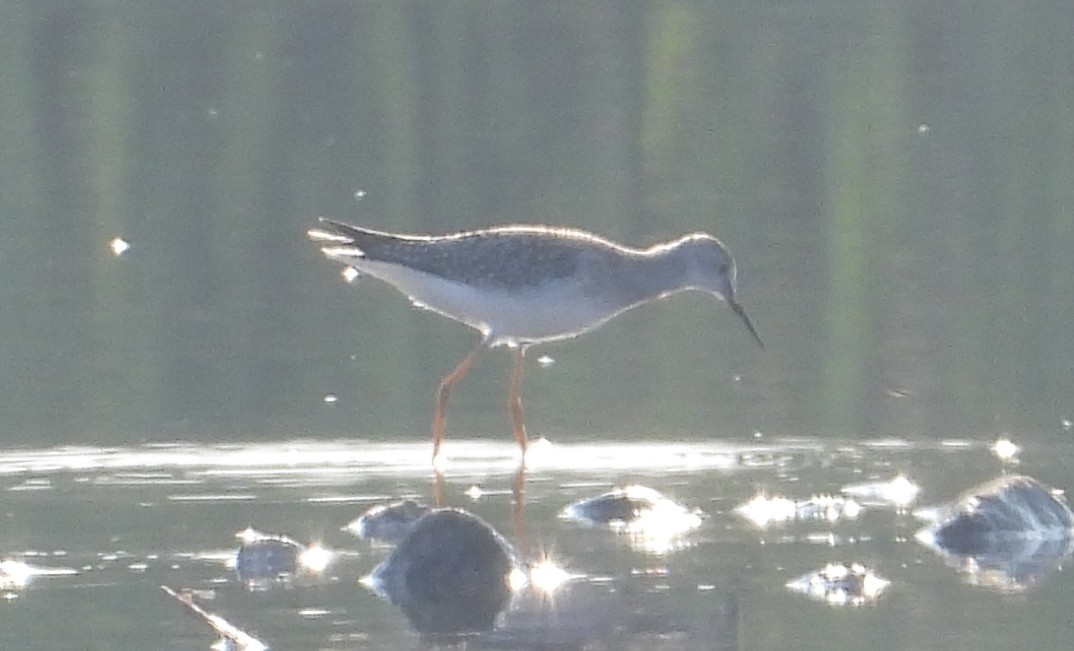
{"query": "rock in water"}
(1009, 508)
(387, 522)
(450, 574)
(1006, 534)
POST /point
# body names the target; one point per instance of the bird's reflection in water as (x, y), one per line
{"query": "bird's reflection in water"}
(518, 497)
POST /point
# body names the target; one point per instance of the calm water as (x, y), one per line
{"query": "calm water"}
(894, 180)
(125, 521)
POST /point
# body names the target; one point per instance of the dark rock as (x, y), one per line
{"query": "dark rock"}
(267, 558)
(388, 522)
(1006, 534)
(627, 505)
(451, 573)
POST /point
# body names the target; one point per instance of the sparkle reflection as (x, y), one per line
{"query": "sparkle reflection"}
(546, 576)
(316, 558)
(16, 575)
(841, 585)
(649, 521)
(332, 462)
(899, 491)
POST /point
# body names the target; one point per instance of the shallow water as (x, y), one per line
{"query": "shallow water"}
(898, 202)
(112, 525)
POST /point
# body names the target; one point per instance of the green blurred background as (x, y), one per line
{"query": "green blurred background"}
(896, 180)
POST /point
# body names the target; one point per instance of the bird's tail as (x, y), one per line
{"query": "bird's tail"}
(339, 239)
(331, 231)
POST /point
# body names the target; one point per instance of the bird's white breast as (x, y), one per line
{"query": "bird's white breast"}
(541, 313)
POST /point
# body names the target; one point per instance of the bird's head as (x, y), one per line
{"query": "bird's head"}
(711, 268)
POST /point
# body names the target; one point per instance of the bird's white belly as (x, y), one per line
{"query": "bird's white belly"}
(530, 315)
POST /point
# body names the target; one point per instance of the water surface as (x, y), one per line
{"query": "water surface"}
(126, 520)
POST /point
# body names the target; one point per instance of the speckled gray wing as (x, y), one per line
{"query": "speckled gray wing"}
(508, 258)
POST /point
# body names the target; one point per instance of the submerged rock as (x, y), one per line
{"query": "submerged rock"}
(387, 522)
(651, 522)
(268, 558)
(763, 510)
(1005, 534)
(840, 584)
(629, 505)
(619, 506)
(451, 573)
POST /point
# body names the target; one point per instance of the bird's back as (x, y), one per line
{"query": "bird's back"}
(509, 257)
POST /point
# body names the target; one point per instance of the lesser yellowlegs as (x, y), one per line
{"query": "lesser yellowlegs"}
(522, 285)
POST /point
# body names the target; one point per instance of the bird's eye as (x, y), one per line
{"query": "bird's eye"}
(723, 268)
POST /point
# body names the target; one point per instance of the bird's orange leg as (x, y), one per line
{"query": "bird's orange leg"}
(514, 401)
(444, 392)
(518, 506)
(438, 487)
(514, 406)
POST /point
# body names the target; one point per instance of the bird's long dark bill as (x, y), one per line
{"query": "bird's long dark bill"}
(741, 312)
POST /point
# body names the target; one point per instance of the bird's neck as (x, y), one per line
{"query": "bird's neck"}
(661, 272)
